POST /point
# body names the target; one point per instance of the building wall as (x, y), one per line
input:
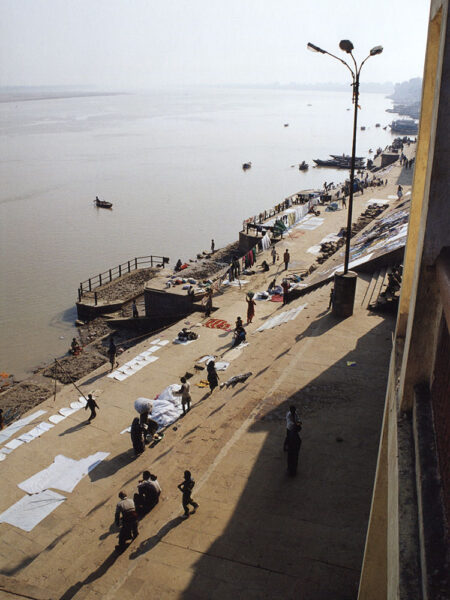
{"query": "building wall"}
(406, 553)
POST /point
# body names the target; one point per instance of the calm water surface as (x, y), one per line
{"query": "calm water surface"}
(171, 164)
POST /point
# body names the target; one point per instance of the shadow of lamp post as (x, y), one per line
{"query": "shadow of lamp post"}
(345, 282)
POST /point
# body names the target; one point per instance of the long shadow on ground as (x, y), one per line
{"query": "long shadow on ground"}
(303, 537)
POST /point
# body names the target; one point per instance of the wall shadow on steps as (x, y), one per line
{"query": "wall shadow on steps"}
(303, 537)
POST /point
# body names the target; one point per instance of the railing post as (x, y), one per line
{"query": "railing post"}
(95, 298)
(100, 278)
(90, 285)
(110, 275)
(135, 263)
(129, 266)
(120, 270)
(151, 260)
(81, 287)
(79, 295)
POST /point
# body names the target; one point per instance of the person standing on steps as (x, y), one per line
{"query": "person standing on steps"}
(273, 254)
(330, 303)
(286, 259)
(92, 405)
(127, 510)
(186, 488)
(250, 308)
(213, 246)
(135, 310)
(112, 353)
(293, 441)
(185, 393)
(208, 303)
(285, 285)
(213, 378)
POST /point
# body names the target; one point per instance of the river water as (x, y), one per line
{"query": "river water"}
(170, 161)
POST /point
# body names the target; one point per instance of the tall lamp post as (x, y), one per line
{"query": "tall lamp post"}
(345, 283)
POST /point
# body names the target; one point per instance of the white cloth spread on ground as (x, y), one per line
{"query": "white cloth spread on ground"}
(221, 365)
(376, 201)
(166, 408)
(236, 282)
(18, 425)
(56, 419)
(30, 510)
(283, 317)
(13, 444)
(63, 474)
(310, 224)
(138, 362)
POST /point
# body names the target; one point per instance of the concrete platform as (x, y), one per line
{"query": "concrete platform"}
(257, 533)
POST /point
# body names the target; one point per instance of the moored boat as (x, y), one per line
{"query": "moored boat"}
(247, 165)
(341, 162)
(303, 166)
(102, 203)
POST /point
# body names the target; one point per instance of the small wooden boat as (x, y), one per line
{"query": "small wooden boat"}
(286, 124)
(303, 166)
(102, 203)
(247, 165)
(377, 125)
(363, 128)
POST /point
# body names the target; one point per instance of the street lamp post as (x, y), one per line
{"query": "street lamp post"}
(345, 283)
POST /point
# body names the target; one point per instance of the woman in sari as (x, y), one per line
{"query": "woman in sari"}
(137, 437)
(213, 378)
(250, 308)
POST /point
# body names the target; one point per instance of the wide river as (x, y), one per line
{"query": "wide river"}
(170, 161)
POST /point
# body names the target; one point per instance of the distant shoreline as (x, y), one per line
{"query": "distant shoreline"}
(28, 97)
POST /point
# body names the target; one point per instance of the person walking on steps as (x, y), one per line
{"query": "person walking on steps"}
(135, 310)
(186, 487)
(92, 405)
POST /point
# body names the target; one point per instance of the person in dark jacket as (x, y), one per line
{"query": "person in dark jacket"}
(92, 405)
(186, 488)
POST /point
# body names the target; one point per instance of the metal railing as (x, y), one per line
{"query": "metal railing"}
(139, 262)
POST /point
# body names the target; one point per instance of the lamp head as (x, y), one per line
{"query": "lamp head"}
(346, 46)
(315, 48)
(376, 50)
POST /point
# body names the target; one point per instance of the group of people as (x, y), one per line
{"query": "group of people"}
(130, 510)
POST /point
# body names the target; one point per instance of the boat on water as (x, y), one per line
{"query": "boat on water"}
(102, 203)
(405, 126)
(286, 124)
(303, 166)
(247, 165)
(343, 161)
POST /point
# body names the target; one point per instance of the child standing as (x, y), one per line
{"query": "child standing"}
(186, 488)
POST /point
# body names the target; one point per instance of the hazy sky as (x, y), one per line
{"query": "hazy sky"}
(143, 43)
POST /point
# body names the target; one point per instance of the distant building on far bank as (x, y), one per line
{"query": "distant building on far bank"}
(407, 546)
